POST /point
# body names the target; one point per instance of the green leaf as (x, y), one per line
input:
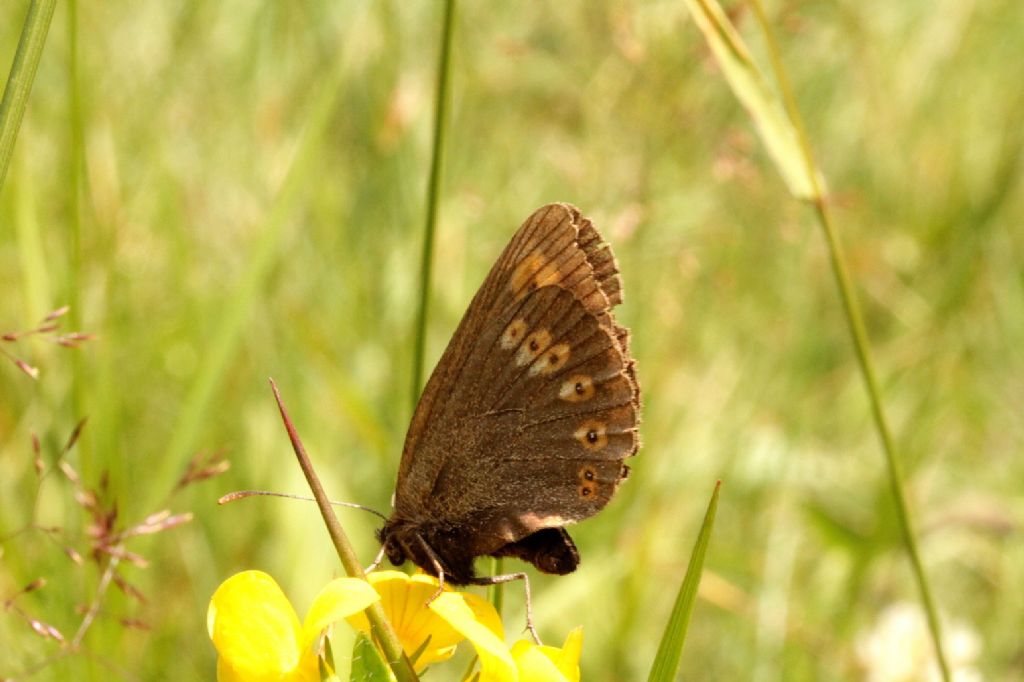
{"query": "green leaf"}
(751, 89)
(666, 662)
(367, 665)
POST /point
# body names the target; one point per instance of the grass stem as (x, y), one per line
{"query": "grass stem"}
(383, 632)
(433, 194)
(496, 591)
(855, 321)
(75, 178)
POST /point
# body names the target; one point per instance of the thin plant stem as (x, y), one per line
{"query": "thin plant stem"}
(23, 73)
(496, 591)
(433, 194)
(97, 602)
(383, 632)
(76, 168)
(855, 321)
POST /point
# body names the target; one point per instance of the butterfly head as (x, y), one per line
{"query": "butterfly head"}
(391, 537)
(434, 547)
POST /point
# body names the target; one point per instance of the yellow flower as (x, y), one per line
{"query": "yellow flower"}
(547, 663)
(455, 616)
(257, 633)
(259, 638)
(449, 619)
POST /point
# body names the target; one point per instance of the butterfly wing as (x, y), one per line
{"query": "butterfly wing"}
(533, 406)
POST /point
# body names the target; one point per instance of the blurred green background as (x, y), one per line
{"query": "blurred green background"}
(229, 191)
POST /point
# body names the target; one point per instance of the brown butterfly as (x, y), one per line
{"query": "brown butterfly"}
(523, 427)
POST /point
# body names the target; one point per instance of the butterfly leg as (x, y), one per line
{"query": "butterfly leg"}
(437, 567)
(376, 561)
(500, 579)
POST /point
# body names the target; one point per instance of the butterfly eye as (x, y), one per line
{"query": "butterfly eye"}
(577, 388)
(513, 334)
(592, 434)
(554, 359)
(536, 343)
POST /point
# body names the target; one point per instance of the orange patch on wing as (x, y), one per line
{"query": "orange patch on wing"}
(552, 360)
(525, 273)
(547, 276)
(513, 334)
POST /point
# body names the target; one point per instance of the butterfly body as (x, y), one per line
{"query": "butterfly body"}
(523, 427)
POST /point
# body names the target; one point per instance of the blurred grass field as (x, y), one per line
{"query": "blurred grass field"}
(230, 191)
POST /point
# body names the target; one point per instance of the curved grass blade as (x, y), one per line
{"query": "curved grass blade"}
(753, 91)
(666, 662)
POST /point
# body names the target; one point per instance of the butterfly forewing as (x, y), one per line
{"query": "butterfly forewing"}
(534, 404)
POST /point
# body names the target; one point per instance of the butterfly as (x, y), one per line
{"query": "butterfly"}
(523, 427)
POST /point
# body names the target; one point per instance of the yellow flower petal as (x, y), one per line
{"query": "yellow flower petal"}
(340, 599)
(404, 599)
(548, 663)
(533, 665)
(496, 663)
(485, 613)
(256, 631)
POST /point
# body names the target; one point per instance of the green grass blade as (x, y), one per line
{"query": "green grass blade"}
(23, 72)
(433, 194)
(666, 662)
(752, 90)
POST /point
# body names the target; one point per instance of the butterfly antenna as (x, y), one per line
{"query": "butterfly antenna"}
(240, 494)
